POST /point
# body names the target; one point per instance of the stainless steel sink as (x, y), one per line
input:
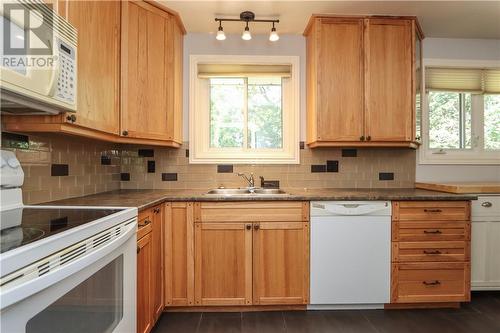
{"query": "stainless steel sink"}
(245, 192)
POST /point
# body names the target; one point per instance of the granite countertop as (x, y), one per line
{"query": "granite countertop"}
(147, 198)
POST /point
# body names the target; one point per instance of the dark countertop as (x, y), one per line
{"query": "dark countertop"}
(147, 198)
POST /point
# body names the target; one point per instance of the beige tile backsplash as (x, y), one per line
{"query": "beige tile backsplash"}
(86, 173)
(361, 171)
(88, 176)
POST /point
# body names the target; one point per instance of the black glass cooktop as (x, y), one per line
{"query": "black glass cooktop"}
(26, 225)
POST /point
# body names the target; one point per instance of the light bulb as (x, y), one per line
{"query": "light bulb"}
(246, 34)
(220, 34)
(273, 36)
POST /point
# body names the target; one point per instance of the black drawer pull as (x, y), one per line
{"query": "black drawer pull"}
(431, 283)
(144, 224)
(432, 210)
(138, 249)
(432, 232)
(432, 252)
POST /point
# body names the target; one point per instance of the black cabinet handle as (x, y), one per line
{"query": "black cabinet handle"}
(432, 252)
(138, 249)
(256, 227)
(432, 232)
(368, 138)
(71, 118)
(125, 133)
(249, 227)
(362, 138)
(145, 223)
(431, 283)
(432, 210)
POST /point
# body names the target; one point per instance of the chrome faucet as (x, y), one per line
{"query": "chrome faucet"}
(250, 180)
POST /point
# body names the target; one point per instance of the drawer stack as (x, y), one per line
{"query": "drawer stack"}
(430, 251)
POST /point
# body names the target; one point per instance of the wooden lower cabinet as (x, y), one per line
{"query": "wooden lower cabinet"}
(144, 264)
(281, 263)
(430, 252)
(223, 263)
(179, 254)
(149, 268)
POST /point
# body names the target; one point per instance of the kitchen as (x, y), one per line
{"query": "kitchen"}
(227, 166)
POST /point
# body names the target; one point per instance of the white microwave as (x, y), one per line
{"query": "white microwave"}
(38, 67)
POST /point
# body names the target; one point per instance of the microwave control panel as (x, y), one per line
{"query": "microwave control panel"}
(66, 82)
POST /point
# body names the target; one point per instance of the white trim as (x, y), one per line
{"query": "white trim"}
(473, 157)
(198, 135)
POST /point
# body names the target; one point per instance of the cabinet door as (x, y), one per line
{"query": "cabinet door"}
(281, 263)
(157, 262)
(179, 254)
(98, 25)
(389, 80)
(144, 313)
(340, 80)
(145, 62)
(485, 247)
(223, 260)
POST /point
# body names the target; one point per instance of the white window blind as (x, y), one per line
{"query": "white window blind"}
(241, 70)
(474, 80)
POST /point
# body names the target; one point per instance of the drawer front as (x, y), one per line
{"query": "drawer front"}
(144, 225)
(289, 211)
(431, 282)
(486, 207)
(430, 231)
(431, 210)
(430, 251)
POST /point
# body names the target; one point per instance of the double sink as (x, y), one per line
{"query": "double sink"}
(247, 192)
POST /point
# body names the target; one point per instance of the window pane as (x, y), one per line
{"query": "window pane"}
(227, 100)
(450, 120)
(492, 121)
(265, 117)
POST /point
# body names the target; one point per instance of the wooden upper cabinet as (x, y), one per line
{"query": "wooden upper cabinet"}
(389, 80)
(281, 263)
(98, 25)
(151, 96)
(179, 254)
(338, 112)
(361, 81)
(223, 263)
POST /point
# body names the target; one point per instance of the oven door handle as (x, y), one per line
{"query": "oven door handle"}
(30, 280)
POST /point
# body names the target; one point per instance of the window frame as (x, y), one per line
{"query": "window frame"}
(199, 115)
(477, 154)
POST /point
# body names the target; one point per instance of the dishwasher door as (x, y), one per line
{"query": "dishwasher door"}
(350, 254)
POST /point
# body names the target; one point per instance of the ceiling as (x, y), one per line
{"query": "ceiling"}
(446, 19)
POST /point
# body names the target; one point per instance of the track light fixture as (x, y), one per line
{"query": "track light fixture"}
(246, 17)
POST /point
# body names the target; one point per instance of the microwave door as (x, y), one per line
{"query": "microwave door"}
(17, 71)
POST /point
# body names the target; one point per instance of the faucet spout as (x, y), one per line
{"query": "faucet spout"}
(250, 179)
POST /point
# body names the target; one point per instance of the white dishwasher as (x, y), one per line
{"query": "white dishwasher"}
(350, 254)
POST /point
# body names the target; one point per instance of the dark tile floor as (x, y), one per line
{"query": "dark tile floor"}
(482, 315)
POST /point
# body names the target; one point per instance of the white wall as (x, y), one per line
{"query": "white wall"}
(205, 43)
(459, 49)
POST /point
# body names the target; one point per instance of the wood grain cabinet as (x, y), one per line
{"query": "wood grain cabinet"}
(150, 275)
(179, 254)
(151, 73)
(251, 253)
(361, 81)
(430, 252)
(129, 75)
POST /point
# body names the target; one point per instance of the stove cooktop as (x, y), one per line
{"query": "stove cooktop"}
(28, 224)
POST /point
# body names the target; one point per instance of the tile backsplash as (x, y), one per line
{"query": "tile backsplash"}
(319, 168)
(59, 167)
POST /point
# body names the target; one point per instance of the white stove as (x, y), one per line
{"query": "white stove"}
(64, 268)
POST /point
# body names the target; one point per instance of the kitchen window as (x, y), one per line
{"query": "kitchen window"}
(244, 110)
(462, 116)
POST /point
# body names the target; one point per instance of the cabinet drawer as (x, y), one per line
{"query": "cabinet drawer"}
(290, 211)
(430, 251)
(430, 231)
(431, 282)
(144, 222)
(486, 208)
(431, 210)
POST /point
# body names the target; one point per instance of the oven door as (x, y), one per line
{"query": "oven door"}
(96, 293)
